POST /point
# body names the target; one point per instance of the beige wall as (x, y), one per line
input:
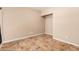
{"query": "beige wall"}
(66, 24)
(21, 22)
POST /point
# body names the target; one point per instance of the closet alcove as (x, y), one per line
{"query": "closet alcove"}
(48, 23)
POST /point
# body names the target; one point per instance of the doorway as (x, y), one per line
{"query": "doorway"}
(48, 24)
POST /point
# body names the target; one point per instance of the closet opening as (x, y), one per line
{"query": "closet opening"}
(48, 24)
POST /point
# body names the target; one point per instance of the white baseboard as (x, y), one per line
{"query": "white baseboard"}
(66, 42)
(21, 38)
(37, 35)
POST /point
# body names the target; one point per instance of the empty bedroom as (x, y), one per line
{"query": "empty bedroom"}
(39, 29)
(26, 28)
